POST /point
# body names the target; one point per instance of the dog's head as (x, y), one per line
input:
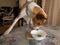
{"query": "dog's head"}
(40, 16)
(38, 20)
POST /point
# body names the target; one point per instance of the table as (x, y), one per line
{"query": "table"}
(48, 41)
(19, 35)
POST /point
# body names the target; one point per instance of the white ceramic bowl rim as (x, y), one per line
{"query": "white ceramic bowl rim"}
(34, 34)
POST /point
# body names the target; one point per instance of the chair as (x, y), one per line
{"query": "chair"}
(8, 18)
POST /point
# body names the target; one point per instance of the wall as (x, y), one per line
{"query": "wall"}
(10, 3)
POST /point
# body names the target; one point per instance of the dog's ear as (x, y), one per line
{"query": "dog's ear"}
(43, 13)
(36, 10)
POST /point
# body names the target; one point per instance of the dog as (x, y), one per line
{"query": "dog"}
(36, 16)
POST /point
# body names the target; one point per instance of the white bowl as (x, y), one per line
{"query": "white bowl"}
(38, 34)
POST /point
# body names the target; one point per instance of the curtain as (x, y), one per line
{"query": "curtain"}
(52, 8)
(22, 2)
(39, 2)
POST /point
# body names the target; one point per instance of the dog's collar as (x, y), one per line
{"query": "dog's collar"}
(27, 7)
